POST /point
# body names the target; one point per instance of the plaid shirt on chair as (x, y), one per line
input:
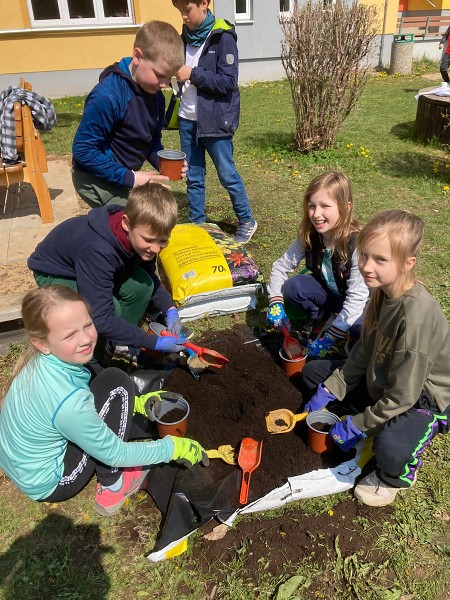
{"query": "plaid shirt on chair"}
(42, 110)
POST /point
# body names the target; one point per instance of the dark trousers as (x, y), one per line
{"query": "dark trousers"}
(400, 443)
(113, 394)
(445, 63)
(316, 300)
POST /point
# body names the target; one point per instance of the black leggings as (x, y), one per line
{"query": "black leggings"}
(113, 394)
(400, 442)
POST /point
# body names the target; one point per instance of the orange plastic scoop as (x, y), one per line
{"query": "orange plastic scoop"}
(292, 347)
(248, 459)
(207, 357)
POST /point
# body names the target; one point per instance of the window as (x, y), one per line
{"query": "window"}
(243, 10)
(286, 6)
(56, 13)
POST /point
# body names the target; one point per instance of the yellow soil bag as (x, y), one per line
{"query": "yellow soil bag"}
(193, 263)
(208, 272)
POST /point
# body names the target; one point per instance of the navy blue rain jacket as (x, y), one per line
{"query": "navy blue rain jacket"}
(120, 128)
(84, 248)
(216, 79)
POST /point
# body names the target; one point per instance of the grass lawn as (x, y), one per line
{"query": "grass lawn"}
(68, 552)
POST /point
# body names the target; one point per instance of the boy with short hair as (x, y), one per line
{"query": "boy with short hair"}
(209, 110)
(123, 117)
(109, 256)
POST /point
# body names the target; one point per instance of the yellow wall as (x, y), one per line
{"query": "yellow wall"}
(391, 16)
(39, 50)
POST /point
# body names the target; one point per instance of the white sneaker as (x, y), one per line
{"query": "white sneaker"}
(374, 492)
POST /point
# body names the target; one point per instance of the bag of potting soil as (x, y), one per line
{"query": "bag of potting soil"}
(208, 272)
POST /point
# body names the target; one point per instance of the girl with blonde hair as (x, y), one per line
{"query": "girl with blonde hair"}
(397, 374)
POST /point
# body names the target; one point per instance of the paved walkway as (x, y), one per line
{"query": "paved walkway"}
(21, 228)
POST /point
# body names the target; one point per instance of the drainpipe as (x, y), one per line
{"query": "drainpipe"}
(380, 59)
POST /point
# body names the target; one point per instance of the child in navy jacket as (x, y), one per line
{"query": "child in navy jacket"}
(109, 256)
(209, 110)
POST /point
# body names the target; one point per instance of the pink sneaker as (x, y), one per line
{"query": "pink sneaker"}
(108, 502)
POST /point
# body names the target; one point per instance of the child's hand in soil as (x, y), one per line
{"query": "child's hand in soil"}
(320, 399)
(345, 434)
(188, 452)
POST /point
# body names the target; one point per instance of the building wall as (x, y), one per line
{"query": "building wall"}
(68, 61)
(45, 56)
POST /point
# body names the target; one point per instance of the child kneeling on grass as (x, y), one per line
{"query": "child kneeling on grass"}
(109, 256)
(56, 431)
(398, 370)
(326, 240)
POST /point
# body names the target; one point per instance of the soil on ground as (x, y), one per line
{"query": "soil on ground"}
(229, 404)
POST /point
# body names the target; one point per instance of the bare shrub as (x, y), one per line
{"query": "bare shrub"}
(325, 54)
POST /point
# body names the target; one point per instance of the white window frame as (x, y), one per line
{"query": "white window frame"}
(289, 11)
(66, 21)
(244, 16)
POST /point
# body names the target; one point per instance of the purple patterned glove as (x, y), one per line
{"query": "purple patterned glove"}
(319, 400)
(345, 434)
(173, 321)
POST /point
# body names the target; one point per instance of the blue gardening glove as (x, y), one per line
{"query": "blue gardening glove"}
(320, 346)
(276, 315)
(188, 452)
(345, 434)
(173, 321)
(319, 400)
(169, 344)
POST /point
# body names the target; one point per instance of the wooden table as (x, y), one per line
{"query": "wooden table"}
(433, 116)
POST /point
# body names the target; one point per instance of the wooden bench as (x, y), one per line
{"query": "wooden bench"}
(423, 26)
(34, 160)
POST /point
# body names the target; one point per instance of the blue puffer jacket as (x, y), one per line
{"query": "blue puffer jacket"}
(120, 128)
(216, 79)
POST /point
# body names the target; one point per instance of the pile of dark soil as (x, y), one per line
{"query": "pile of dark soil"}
(229, 404)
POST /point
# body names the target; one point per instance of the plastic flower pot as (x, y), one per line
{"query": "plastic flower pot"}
(161, 415)
(170, 163)
(319, 424)
(292, 366)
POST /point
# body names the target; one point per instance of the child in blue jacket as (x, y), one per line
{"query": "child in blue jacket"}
(123, 117)
(209, 110)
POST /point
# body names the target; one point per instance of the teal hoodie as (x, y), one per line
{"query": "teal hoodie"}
(48, 404)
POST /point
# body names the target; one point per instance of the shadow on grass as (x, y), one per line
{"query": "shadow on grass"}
(267, 140)
(58, 559)
(404, 131)
(415, 165)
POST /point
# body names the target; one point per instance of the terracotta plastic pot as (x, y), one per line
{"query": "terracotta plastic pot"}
(319, 441)
(170, 163)
(159, 412)
(292, 367)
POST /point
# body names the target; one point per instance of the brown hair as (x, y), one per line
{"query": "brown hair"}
(180, 4)
(158, 40)
(152, 205)
(405, 233)
(337, 185)
(36, 305)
